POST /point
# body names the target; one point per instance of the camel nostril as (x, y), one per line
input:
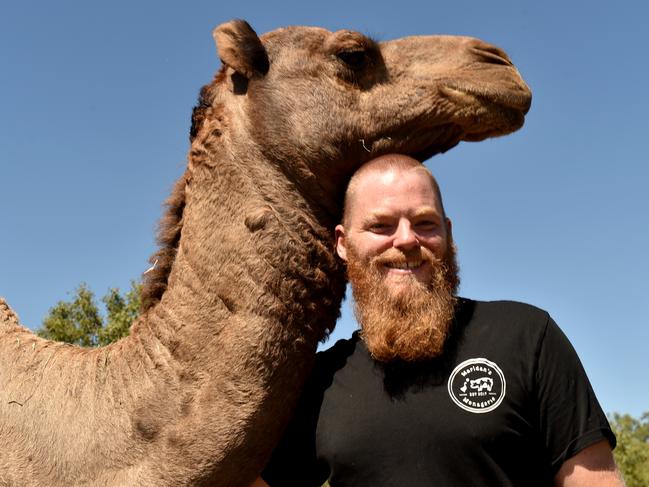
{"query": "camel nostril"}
(491, 54)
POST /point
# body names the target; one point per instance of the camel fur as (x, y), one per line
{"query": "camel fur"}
(245, 282)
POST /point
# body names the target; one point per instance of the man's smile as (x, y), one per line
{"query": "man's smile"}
(405, 266)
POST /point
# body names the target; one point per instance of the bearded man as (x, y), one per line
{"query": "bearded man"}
(436, 389)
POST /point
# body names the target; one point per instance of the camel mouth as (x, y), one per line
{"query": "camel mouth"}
(485, 111)
(518, 99)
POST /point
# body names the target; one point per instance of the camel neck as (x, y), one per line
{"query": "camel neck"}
(253, 288)
(255, 255)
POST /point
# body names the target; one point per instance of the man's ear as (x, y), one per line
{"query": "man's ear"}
(449, 229)
(341, 248)
(240, 48)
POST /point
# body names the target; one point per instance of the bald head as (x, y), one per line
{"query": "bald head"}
(386, 163)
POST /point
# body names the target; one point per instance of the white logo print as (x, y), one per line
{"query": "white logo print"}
(477, 385)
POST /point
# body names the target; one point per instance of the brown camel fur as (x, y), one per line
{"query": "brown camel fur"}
(245, 283)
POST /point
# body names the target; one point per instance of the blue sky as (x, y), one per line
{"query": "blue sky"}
(95, 100)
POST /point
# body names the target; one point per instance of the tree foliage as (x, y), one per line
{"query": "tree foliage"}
(632, 451)
(80, 321)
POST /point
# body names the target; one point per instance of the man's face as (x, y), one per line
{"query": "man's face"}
(396, 216)
(400, 263)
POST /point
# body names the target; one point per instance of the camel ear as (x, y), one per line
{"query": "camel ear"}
(240, 48)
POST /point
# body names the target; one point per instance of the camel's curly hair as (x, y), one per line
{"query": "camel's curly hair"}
(154, 281)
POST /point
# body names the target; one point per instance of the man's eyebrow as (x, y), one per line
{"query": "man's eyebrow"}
(426, 211)
(373, 215)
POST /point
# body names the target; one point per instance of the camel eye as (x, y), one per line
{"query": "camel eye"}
(354, 59)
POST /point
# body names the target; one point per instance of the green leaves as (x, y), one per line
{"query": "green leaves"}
(632, 451)
(80, 322)
(121, 311)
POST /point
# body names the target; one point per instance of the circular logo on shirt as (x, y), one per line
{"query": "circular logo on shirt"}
(477, 385)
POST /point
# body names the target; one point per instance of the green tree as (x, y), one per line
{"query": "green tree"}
(121, 311)
(632, 451)
(80, 322)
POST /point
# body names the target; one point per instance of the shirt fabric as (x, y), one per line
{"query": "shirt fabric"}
(505, 405)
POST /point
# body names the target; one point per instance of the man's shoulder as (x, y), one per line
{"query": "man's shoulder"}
(505, 317)
(507, 309)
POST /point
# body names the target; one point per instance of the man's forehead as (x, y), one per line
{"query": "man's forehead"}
(393, 181)
(390, 176)
(381, 175)
(385, 195)
(378, 212)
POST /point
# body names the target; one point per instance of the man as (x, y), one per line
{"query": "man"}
(436, 389)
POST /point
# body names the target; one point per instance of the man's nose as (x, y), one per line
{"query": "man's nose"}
(405, 237)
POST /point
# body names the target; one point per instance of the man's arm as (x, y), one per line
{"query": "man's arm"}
(594, 466)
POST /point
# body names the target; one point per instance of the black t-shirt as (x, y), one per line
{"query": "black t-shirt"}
(506, 404)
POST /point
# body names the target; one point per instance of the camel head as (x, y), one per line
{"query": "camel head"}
(299, 109)
(321, 103)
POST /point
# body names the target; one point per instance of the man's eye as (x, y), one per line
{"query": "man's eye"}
(378, 227)
(426, 225)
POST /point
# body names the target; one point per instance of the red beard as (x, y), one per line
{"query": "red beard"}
(413, 323)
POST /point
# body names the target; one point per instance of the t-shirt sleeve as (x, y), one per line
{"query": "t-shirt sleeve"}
(294, 462)
(570, 417)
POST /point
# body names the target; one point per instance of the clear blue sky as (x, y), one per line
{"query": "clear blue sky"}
(95, 100)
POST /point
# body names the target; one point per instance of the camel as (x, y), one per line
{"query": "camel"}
(245, 282)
